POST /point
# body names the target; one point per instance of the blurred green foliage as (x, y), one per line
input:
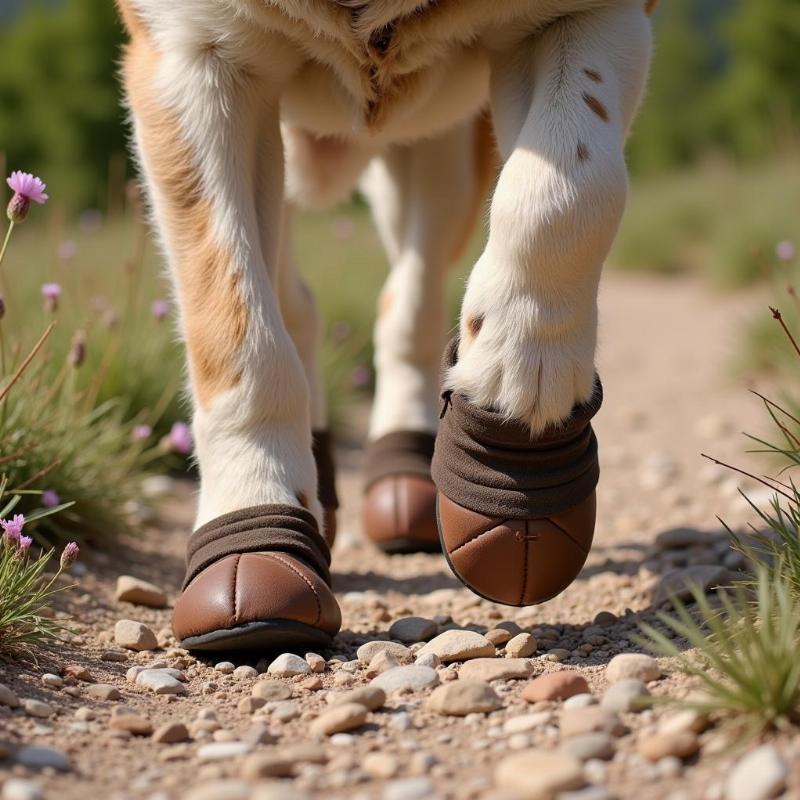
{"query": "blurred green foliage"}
(724, 78)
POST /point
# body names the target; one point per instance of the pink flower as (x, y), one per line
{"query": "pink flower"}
(12, 529)
(159, 309)
(180, 438)
(50, 499)
(24, 545)
(785, 250)
(69, 555)
(141, 432)
(51, 292)
(27, 189)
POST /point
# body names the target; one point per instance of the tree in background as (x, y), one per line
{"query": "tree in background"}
(760, 97)
(60, 112)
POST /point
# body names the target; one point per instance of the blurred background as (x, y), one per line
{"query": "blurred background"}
(715, 197)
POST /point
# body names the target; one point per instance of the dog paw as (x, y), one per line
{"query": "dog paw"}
(530, 363)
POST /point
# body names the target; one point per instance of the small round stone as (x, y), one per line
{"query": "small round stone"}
(371, 697)
(589, 745)
(37, 708)
(103, 691)
(171, 733)
(522, 645)
(682, 744)
(409, 678)
(639, 666)
(132, 723)
(271, 690)
(53, 681)
(462, 697)
(134, 635)
(287, 665)
(413, 629)
(367, 652)
(538, 774)
(225, 667)
(555, 686)
(135, 590)
(459, 645)
(19, 789)
(629, 694)
(339, 719)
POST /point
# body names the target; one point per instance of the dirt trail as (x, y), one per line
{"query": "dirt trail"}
(666, 347)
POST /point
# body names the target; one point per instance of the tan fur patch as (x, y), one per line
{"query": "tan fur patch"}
(596, 106)
(583, 152)
(385, 303)
(650, 7)
(486, 162)
(474, 325)
(214, 316)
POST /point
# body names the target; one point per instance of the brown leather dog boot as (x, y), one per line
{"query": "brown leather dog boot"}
(322, 447)
(258, 578)
(516, 514)
(399, 511)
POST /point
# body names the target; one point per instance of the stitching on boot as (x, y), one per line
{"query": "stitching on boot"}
(292, 568)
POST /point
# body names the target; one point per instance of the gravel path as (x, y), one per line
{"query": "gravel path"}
(430, 691)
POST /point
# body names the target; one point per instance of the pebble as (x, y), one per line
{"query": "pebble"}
(521, 646)
(367, 652)
(247, 705)
(272, 690)
(371, 697)
(413, 629)
(495, 669)
(339, 719)
(142, 593)
(593, 719)
(7, 697)
(688, 719)
(459, 698)
(604, 619)
(760, 774)
(681, 744)
(222, 751)
(170, 733)
(37, 708)
(539, 775)
(18, 789)
(316, 662)
(408, 678)
(527, 722)
(589, 745)
(39, 757)
(632, 665)
(78, 672)
(225, 667)
(679, 582)
(382, 662)
(160, 681)
(679, 539)
(428, 660)
(498, 636)
(580, 701)
(409, 789)
(103, 691)
(53, 681)
(133, 723)
(555, 686)
(459, 645)
(267, 765)
(629, 694)
(134, 635)
(287, 665)
(380, 765)
(85, 714)
(312, 684)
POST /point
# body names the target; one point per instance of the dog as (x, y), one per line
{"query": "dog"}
(243, 111)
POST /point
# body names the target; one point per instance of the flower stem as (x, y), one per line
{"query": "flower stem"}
(6, 240)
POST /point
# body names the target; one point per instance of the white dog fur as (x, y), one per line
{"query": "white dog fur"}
(243, 109)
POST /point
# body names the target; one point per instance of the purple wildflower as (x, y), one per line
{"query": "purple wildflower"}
(141, 432)
(785, 250)
(50, 499)
(361, 376)
(159, 309)
(27, 189)
(51, 292)
(69, 555)
(180, 438)
(24, 545)
(12, 528)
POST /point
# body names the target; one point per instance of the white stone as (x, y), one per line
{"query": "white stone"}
(495, 669)
(339, 719)
(18, 789)
(459, 645)
(7, 697)
(759, 775)
(287, 665)
(160, 681)
(37, 708)
(409, 789)
(632, 665)
(409, 678)
(221, 751)
(527, 722)
(626, 695)
(244, 673)
(53, 681)
(539, 774)
(367, 652)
